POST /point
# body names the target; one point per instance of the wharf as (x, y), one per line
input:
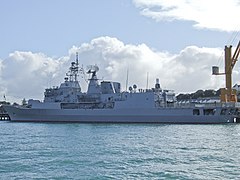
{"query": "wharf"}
(4, 117)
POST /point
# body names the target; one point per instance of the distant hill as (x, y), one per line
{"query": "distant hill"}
(199, 94)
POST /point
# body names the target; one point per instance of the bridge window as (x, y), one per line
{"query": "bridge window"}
(196, 112)
(233, 111)
(209, 111)
(223, 112)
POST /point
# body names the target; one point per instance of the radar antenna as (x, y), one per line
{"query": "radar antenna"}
(92, 69)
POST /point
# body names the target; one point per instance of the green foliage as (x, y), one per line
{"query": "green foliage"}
(199, 94)
(4, 103)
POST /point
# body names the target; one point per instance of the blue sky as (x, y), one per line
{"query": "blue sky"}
(42, 37)
(52, 27)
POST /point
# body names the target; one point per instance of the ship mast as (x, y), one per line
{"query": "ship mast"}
(76, 68)
(73, 70)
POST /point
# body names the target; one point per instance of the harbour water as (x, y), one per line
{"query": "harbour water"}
(119, 151)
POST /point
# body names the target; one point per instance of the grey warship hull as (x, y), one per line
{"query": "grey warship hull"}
(138, 115)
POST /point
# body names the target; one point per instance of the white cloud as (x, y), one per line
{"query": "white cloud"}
(214, 14)
(189, 70)
(27, 74)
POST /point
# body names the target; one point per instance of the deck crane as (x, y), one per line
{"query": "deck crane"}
(228, 94)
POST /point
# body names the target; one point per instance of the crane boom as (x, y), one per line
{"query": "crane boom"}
(236, 54)
(227, 93)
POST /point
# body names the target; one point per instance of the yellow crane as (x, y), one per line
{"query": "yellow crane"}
(228, 94)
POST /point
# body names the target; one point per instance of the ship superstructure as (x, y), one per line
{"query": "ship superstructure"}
(69, 90)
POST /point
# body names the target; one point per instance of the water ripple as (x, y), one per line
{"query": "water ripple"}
(119, 151)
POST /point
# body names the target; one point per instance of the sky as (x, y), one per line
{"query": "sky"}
(175, 41)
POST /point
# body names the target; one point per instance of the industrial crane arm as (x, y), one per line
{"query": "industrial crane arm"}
(228, 94)
(236, 54)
